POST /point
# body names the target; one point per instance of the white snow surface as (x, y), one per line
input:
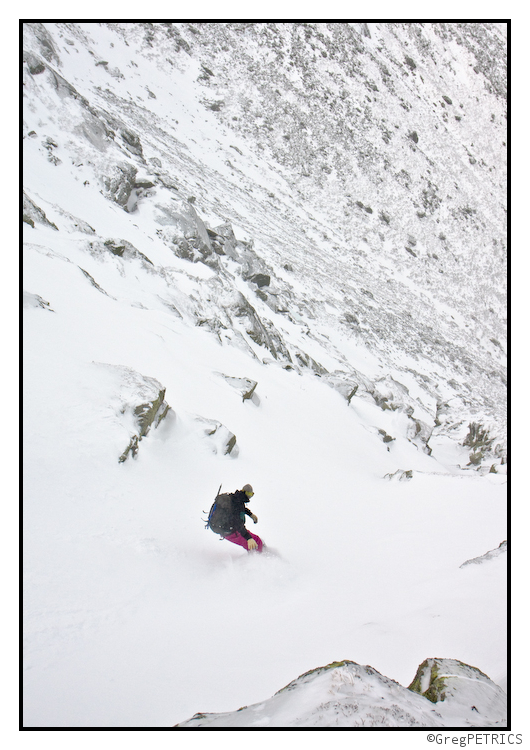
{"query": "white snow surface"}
(134, 614)
(346, 694)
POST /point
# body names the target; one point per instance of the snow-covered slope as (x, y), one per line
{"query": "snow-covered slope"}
(345, 694)
(179, 244)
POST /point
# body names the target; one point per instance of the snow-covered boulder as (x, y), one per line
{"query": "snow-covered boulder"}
(346, 694)
(222, 441)
(184, 230)
(468, 696)
(140, 404)
(244, 386)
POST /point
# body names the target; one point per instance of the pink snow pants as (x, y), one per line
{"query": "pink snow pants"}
(236, 538)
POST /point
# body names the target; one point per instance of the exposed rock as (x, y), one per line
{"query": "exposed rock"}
(93, 282)
(35, 65)
(65, 90)
(491, 555)
(119, 185)
(253, 325)
(306, 361)
(401, 475)
(386, 438)
(132, 142)
(346, 694)
(391, 395)
(245, 386)
(261, 279)
(31, 213)
(34, 300)
(365, 31)
(221, 439)
(185, 231)
(121, 248)
(454, 683)
(44, 41)
(143, 399)
(350, 384)
(479, 440)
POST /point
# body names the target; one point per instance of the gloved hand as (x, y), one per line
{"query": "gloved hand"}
(252, 544)
(254, 518)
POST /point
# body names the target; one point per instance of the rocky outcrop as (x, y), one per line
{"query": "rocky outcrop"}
(244, 386)
(221, 440)
(34, 300)
(401, 475)
(256, 329)
(346, 694)
(480, 442)
(120, 248)
(186, 233)
(119, 185)
(34, 63)
(93, 282)
(491, 555)
(44, 41)
(139, 404)
(456, 684)
(32, 213)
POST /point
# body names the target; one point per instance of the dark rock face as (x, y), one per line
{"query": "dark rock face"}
(261, 279)
(45, 42)
(35, 65)
(147, 414)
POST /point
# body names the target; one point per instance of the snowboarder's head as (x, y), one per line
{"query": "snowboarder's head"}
(247, 489)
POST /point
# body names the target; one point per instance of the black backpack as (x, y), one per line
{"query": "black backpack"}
(219, 517)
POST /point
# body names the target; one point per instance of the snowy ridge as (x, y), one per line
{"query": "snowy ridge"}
(236, 305)
(345, 694)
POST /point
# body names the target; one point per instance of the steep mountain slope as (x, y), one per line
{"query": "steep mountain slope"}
(380, 187)
(318, 209)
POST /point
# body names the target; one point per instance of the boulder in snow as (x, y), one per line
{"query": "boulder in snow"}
(221, 439)
(245, 386)
(464, 691)
(141, 405)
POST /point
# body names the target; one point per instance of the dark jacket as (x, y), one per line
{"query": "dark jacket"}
(227, 514)
(238, 513)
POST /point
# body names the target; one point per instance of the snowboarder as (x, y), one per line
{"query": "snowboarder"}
(227, 518)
